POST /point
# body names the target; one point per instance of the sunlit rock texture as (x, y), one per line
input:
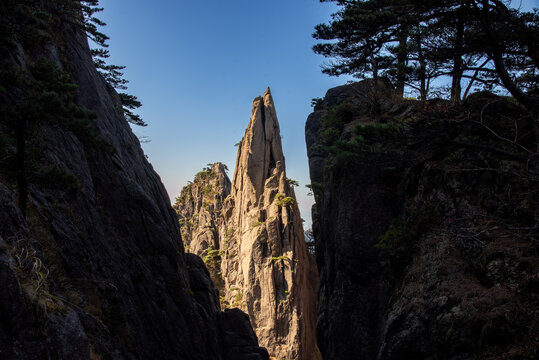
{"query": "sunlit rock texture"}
(250, 234)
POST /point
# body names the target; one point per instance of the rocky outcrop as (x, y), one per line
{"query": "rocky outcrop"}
(267, 270)
(426, 235)
(261, 255)
(91, 260)
(199, 208)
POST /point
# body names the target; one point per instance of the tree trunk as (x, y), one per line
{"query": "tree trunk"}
(499, 64)
(375, 106)
(402, 57)
(456, 87)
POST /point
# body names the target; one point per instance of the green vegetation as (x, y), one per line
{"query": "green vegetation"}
(41, 96)
(213, 257)
(398, 234)
(282, 257)
(187, 228)
(223, 303)
(292, 182)
(374, 130)
(185, 196)
(315, 188)
(402, 237)
(283, 201)
(332, 126)
(191, 224)
(205, 174)
(229, 233)
(333, 121)
(237, 303)
(52, 176)
(201, 180)
(111, 73)
(208, 191)
(365, 137)
(316, 103)
(257, 223)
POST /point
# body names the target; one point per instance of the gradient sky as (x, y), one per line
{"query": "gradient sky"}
(197, 66)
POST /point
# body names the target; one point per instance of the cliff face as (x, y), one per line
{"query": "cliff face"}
(261, 256)
(91, 260)
(425, 227)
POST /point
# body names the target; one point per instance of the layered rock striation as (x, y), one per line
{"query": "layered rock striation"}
(91, 260)
(262, 257)
(425, 227)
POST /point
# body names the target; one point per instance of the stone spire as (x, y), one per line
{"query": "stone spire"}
(252, 240)
(259, 150)
(266, 268)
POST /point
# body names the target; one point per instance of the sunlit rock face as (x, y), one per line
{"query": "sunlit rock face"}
(253, 240)
(268, 271)
(199, 208)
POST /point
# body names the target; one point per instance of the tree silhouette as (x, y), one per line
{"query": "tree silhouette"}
(111, 73)
(412, 42)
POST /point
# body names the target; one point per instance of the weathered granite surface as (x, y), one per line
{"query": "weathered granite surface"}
(250, 235)
(268, 269)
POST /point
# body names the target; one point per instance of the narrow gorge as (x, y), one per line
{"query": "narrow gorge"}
(250, 234)
(426, 208)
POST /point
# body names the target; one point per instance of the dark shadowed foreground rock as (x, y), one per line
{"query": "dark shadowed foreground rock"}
(91, 260)
(426, 228)
(239, 338)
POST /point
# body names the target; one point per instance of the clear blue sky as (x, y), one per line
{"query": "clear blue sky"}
(197, 65)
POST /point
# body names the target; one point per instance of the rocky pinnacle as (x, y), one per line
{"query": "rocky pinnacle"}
(250, 235)
(267, 269)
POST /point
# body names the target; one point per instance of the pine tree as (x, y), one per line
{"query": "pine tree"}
(366, 32)
(510, 40)
(476, 42)
(111, 73)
